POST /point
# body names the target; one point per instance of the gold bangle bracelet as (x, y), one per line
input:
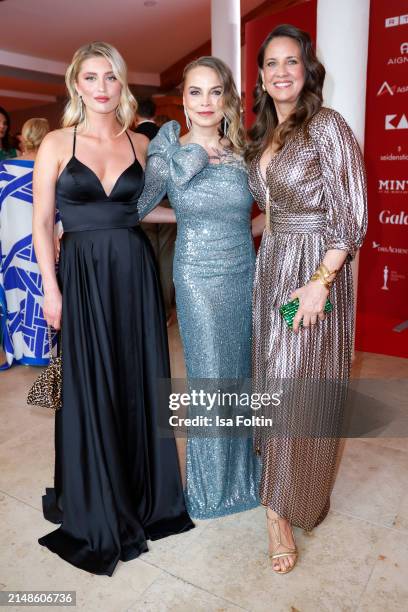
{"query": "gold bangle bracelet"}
(323, 281)
(326, 271)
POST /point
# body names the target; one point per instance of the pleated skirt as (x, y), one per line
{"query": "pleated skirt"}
(117, 481)
(309, 371)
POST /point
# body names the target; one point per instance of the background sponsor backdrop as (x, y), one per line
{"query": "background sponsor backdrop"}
(382, 313)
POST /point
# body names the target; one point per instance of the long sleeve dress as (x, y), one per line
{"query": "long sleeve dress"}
(213, 275)
(317, 196)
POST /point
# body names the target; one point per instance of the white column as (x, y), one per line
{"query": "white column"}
(342, 46)
(226, 35)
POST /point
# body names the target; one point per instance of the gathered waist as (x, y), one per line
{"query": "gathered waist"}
(88, 216)
(298, 223)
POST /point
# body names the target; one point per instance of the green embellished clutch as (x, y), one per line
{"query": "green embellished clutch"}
(289, 310)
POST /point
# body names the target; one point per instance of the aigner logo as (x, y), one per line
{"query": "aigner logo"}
(388, 218)
(400, 59)
(386, 88)
(396, 122)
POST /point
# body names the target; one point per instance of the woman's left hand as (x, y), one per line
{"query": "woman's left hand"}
(312, 299)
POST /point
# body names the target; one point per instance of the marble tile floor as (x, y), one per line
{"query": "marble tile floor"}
(357, 560)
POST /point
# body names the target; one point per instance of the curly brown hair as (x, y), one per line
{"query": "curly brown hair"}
(266, 127)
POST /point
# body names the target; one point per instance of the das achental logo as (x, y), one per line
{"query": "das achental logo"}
(389, 249)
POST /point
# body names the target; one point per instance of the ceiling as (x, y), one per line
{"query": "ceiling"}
(151, 38)
(38, 38)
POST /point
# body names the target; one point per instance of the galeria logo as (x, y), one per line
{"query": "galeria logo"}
(386, 88)
(392, 22)
(396, 122)
(387, 218)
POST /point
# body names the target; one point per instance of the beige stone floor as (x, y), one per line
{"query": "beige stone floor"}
(357, 560)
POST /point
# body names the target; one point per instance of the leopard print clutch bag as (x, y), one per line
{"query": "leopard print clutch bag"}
(46, 390)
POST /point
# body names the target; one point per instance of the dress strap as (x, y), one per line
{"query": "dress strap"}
(131, 144)
(74, 142)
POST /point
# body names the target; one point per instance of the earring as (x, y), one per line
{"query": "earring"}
(263, 86)
(226, 126)
(82, 114)
(188, 120)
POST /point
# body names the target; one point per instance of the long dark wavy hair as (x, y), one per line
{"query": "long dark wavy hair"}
(5, 144)
(266, 127)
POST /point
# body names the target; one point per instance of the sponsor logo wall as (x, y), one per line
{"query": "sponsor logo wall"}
(383, 272)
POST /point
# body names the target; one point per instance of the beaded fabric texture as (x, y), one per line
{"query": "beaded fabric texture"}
(213, 275)
(318, 202)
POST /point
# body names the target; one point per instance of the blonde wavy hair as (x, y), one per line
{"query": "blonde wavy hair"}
(126, 109)
(33, 132)
(231, 99)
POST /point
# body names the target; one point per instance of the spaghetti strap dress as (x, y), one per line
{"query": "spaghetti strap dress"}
(117, 481)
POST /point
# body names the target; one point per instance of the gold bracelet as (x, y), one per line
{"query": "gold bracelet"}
(317, 277)
(322, 275)
(327, 271)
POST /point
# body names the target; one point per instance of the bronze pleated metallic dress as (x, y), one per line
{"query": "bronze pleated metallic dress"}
(317, 195)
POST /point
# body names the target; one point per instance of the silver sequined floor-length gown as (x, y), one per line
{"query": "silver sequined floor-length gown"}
(213, 276)
(318, 202)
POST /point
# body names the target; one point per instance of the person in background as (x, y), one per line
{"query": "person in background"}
(24, 337)
(18, 142)
(7, 151)
(162, 236)
(161, 120)
(146, 125)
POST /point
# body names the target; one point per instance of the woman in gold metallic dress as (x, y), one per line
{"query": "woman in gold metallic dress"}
(306, 167)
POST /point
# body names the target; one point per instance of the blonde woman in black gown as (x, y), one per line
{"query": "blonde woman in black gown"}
(306, 167)
(117, 481)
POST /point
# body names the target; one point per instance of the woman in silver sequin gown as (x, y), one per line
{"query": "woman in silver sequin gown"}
(314, 180)
(213, 275)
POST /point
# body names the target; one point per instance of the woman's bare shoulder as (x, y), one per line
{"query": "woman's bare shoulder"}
(139, 140)
(141, 144)
(58, 138)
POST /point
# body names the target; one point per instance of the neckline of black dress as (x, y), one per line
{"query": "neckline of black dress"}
(93, 173)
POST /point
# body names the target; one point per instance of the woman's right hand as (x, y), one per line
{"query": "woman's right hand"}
(57, 244)
(52, 308)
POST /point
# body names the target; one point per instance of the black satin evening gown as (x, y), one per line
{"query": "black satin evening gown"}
(117, 481)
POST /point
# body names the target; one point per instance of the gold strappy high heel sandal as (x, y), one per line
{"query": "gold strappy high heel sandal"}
(286, 553)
